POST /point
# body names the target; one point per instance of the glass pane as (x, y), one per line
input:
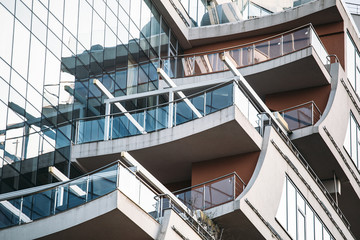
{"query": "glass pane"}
(6, 29)
(262, 52)
(162, 117)
(147, 200)
(21, 49)
(347, 142)
(183, 113)
(219, 192)
(326, 235)
(275, 47)
(318, 229)
(353, 139)
(219, 99)
(309, 224)
(77, 192)
(281, 212)
(129, 184)
(291, 209)
(43, 204)
(102, 182)
(9, 214)
(301, 227)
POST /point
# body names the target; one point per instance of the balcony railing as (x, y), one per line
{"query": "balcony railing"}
(68, 195)
(28, 208)
(304, 115)
(245, 55)
(167, 115)
(212, 193)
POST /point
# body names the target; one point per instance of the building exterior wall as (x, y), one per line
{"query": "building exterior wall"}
(52, 52)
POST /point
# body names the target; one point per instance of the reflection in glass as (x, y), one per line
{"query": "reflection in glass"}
(20, 49)
(298, 218)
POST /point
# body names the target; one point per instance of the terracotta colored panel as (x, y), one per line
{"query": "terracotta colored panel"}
(280, 101)
(243, 165)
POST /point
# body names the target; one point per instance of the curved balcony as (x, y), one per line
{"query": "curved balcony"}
(270, 200)
(115, 193)
(229, 125)
(212, 193)
(303, 115)
(333, 164)
(167, 115)
(289, 61)
(246, 54)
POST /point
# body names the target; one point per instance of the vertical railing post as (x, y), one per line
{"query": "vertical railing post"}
(111, 127)
(77, 125)
(253, 55)
(55, 199)
(282, 45)
(204, 194)
(205, 96)
(87, 188)
(21, 208)
(144, 122)
(234, 189)
(118, 177)
(107, 121)
(171, 109)
(312, 113)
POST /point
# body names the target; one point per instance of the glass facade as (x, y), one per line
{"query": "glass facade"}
(50, 52)
(352, 144)
(297, 217)
(353, 64)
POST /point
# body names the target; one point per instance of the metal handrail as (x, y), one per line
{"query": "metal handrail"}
(175, 206)
(65, 182)
(158, 105)
(300, 105)
(240, 45)
(209, 181)
(328, 57)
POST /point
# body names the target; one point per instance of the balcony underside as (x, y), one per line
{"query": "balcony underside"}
(107, 217)
(236, 223)
(169, 153)
(323, 163)
(298, 70)
(318, 13)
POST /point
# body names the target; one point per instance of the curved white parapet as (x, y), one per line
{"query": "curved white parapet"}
(330, 135)
(257, 207)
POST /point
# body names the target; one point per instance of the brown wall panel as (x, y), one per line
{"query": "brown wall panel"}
(243, 165)
(280, 101)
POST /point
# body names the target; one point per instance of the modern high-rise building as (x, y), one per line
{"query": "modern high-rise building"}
(180, 119)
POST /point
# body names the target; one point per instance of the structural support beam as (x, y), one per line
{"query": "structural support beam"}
(242, 81)
(102, 88)
(14, 210)
(171, 83)
(137, 167)
(62, 178)
(81, 99)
